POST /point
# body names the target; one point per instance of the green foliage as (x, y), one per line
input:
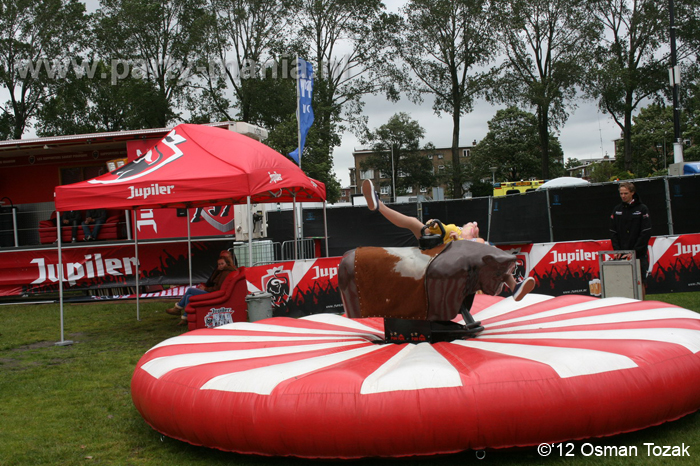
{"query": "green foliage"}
(82, 105)
(481, 189)
(572, 162)
(652, 139)
(605, 171)
(463, 176)
(691, 105)
(314, 161)
(511, 146)
(395, 145)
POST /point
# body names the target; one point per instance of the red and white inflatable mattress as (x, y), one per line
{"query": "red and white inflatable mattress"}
(544, 370)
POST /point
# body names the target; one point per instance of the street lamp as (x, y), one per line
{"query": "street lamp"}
(393, 178)
(674, 74)
(659, 146)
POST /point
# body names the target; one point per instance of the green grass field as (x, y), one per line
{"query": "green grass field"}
(71, 405)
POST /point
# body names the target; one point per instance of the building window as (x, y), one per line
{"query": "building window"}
(430, 156)
(383, 174)
(409, 190)
(440, 156)
(466, 152)
(72, 175)
(441, 168)
(402, 174)
(366, 174)
(385, 190)
(423, 190)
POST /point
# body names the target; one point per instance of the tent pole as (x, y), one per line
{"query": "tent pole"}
(128, 224)
(136, 253)
(325, 226)
(250, 233)
(294, 214)
(189, 244)
(60, 277)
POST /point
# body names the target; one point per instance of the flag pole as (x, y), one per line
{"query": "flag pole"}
(294, 204)
(298, 114)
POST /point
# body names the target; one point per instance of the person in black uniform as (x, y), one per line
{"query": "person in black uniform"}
(630, 226)
(95, 217)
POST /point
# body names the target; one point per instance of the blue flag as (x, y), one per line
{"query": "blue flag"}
(305, 114)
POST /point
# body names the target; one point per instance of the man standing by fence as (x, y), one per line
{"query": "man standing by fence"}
(630, 226)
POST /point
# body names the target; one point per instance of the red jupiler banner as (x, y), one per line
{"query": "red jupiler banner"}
(109, 266)
(299, 288)
(565, 268)
(676, 264)
(573, 267)
(167, 223)
(311, 286)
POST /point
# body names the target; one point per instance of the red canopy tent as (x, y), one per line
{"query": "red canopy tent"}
(196, 166)
(193, 166)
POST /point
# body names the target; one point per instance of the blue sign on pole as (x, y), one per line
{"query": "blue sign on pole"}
(305, 114)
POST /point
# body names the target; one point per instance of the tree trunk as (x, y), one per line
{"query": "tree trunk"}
(627, 134)
(543, 131)
(19, 123)
(456, 165)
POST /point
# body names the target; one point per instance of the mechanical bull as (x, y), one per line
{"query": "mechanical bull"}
(432, 285)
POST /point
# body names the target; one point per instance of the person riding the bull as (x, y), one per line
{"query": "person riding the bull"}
(469, 232)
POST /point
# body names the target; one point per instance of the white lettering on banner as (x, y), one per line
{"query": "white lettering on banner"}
(691, 249)
(569, 257)
(146, 214)
(306, 87)
(329, 272)
(153, 190)
(91, 268)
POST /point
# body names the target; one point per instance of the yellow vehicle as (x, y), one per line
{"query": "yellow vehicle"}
(515, 187)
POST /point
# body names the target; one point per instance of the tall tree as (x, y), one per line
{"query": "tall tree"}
(512, 146)
(395, 147)
(443, 41)
(245, 41)
(345, 40)
(631, 67)
(37, 40)
(158, 41)
(547, 45)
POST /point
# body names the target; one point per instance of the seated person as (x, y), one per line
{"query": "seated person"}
(469, 231)
(72, 218)
(224, 266)
(95, 217)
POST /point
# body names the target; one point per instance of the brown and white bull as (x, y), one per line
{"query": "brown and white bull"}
(410, 283)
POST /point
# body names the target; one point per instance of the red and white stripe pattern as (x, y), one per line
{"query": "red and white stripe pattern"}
(543, 370)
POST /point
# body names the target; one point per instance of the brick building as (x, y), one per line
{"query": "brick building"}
(440, 158)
